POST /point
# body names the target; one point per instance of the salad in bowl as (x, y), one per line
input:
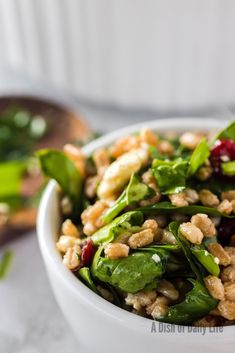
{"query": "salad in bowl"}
(148, 222)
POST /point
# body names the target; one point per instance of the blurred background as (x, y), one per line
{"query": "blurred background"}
(69, 68)
(156, 57)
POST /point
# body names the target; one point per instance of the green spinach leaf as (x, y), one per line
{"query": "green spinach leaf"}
(170, 175)
(227, 133)
(19, 131)
(130, 274)
(198, 302)
(174, 263)
(134, 192)
(206, 259)
(55, 164)
(128, 222)
(228, 168)
(11, 176)
(175, 230)
(156, 154)
(166, 207)
(160, 246)
(85, 275)
(198, 157)
(5, 263)
(215, 185)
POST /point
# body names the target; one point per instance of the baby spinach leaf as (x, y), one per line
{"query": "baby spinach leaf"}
(19, 131)
(5, 263)
(130, 274)
(228, 168)
(182, 273)
(175, 230)
(198, 157)
(128, 222)
(156, 154)
(56, 165)
(227, 133)
(215, 185)
(11, 177)
(116, 299)
(170, 175)
(206, 259)
(198, 302)
(176, 264)
(173, 263)
(151, 286)
(96, 258)
(166, 207)
(160, 246)
(85, 275)
(134, 192)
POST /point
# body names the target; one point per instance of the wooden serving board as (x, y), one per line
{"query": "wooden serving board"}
(64, 126)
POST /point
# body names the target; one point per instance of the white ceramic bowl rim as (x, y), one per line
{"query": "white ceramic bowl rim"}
(47, 243)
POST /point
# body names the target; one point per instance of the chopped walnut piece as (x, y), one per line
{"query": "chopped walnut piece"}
(225, 207)
(214, 286)
(191, 232)
(203, 222)
(207, 198)
(178, 200)
(116, 250)
(218, 251)
(142, 238)
(227, 309)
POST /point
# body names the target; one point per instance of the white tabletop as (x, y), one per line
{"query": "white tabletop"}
(31, 321)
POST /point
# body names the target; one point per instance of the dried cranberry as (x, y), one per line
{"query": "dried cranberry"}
(88, 252)
(222, 151)
(226, 230)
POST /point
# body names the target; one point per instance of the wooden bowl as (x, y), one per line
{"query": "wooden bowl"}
(64, 126)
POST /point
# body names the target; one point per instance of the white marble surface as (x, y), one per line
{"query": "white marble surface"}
(30, 319)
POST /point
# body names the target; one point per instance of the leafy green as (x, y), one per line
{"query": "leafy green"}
(55, 164)
(156, 154)
(206, 259)
(228, 168)
(156, 247)
(134, 192)
(227, 133)
(198, 157)
(174, 263)
(13, 202)
(181, 273)
(11, 174)
(170, 175)
(175, 230)
(130, 274)
(151, 286)
(5, 263)
(128, 222)
(166, 207)
(198, 302)
(85, 274)
(215, 185)
(196, 255)
(19, 131)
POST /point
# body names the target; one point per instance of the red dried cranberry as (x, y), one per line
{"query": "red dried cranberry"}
(88, 252)
(226, 230)
(222, 151)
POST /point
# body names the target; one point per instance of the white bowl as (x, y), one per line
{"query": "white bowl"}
(99, 325)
